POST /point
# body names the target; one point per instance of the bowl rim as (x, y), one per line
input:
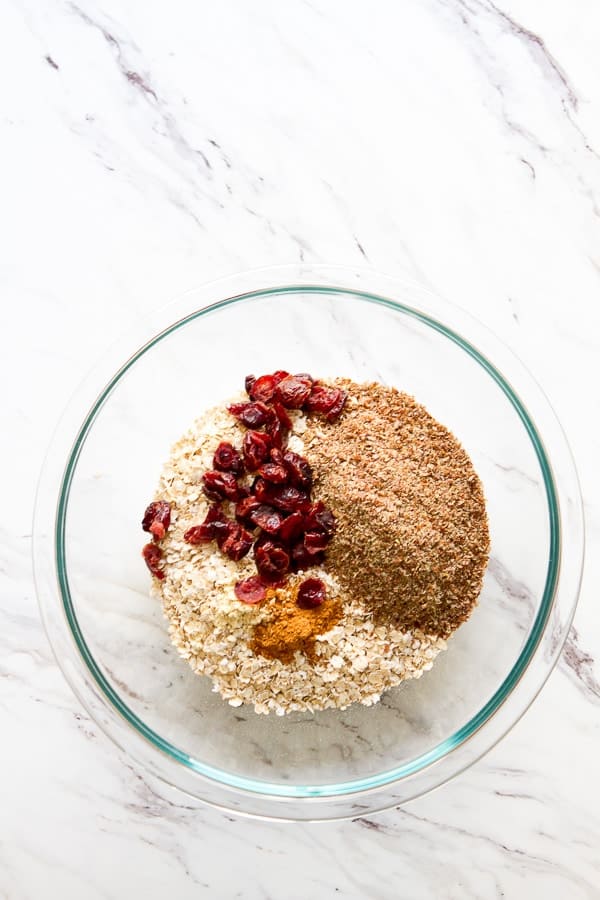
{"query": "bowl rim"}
(306, 284)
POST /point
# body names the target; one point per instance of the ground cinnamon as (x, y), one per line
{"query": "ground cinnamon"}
(290, 628)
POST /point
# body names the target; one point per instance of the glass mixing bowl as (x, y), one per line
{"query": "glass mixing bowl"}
(110, 638)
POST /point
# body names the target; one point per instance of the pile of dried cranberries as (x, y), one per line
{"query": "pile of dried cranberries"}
(275, 515)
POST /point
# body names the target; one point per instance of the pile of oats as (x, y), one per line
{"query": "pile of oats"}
(358, 659)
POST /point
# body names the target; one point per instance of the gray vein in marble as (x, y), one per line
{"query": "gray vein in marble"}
(518, 594)
(511, 303)
(143, 85)
(578, 665)
(538, 49)
(551, 864)
(168, 128)
(515, 470)
(361, 249)
(546, 63)
(529, 166)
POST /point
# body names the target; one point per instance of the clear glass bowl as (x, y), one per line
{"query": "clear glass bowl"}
(110, 638)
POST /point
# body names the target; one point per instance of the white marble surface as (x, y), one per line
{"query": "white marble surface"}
(146, 148)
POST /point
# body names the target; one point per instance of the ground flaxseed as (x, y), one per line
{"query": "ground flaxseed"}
(412, 540)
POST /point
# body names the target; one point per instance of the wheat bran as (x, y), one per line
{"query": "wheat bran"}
(412, 540)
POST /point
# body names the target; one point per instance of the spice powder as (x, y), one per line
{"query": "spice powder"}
(289, 628)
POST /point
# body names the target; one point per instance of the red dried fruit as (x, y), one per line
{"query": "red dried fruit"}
(326, 400)
(293, 391)
(244, 508)
(277, 432)
(199, 534)
(299, 469)
(250, 590)
(263, 539)
(279, 375)
(337, 406)
(276, 456)
(263, 388)
(289, 499)
(248, 382)
(256, 447)
(302, 559)
(252, 415)
(320, 518)
(228, 459)
(157, 519)
(222, 529)
(291, 527)
(272, 561)
(261, 490)
(315, 542)
(236, 543)
(207, 531)
(267, 518)
(282, 415)
(274, 473)
(222, 486)
(311, 593)
(152, 557)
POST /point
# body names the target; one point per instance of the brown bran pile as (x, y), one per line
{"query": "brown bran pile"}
(412, 537)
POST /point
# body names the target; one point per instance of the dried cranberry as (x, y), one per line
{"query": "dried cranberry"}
(299, 469)
(248, 382)
(244, 508)
(289, 499)
(157, 518)
(207, 531)
(274, 473)
(263, 388)
(315, 542)
(326, 400)
(311, 593)
(320, 518)
(294, 391)
(291, 527)
(272, 561)
(263, 539)
(302, 559)
(228, 459)
(199, 534)
(262, 490)
(237, 542)
(277, 432)
(152, 557)
(222, 486)
(276, 456)
(267, 518)
(256, 447)
(250, 590)
(222, 529)
(336, 407)
(252, 415)
(279, 375)
(281, 413)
